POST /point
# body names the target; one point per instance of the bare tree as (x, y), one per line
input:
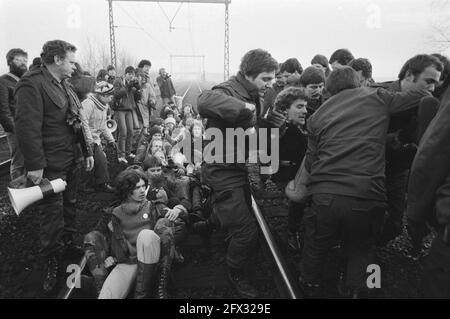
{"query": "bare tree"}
(95, 55)
(90, 56)
(124, 59)
(439, 38)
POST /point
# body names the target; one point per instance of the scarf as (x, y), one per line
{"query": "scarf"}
(97, 103)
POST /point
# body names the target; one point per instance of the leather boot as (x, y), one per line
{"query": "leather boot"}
(163, 285)
(145, 280)
(51, 275)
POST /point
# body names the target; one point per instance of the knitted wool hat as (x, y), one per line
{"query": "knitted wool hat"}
(312, 75)
(170, 120)
(154, 130)
(166, 113)
(104, 88)
(157, 121)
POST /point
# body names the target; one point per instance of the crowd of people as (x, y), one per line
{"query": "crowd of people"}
(348, 148)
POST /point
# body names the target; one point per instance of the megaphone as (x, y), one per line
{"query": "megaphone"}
(111, 125)
(23, 197)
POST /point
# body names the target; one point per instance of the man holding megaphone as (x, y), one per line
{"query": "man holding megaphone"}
(52, 138)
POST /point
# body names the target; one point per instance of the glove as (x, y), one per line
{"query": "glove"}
(112, 144)
(417, 231)
(245, 119)
(275, 118)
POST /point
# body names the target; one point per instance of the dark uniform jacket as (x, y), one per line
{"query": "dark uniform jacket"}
(7, 102)
(44, 109)
(293, 145)
(224, 107)
(347, 137)
(269, 98)
(429, 181)
(405, 131)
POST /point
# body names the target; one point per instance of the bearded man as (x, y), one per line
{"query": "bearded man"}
(17, 61)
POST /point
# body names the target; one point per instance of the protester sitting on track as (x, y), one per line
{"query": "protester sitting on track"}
(143, 148)
(175, 186)
(155, 145)
(188, 109)
(169, 126)
(136, 238)
(94, 109)
(196, 131)
(177, 190)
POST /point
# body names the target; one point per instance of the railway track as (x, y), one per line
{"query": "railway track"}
(203, 274)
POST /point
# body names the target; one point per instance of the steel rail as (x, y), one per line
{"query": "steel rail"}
(279, 260)
(67, 291)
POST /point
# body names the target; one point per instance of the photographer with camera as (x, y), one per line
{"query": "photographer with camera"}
(127, 92)
(165, 86)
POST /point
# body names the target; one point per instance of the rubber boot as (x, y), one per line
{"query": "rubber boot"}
(145, 280)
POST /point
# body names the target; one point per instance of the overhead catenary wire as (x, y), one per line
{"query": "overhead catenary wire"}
(168, 19)
(139, 26)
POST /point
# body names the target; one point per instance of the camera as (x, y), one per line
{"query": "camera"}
(134, 84)
(152, 194)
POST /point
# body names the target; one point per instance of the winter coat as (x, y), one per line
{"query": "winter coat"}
(347, 137)
(429, 180)
(124, 97)
(8, 83)
(44, 110)
(224, 107)
(96, 114)
(166, 86)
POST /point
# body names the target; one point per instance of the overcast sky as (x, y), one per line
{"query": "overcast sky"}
(386, 32)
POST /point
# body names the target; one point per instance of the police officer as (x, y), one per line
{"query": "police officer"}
(236, 103)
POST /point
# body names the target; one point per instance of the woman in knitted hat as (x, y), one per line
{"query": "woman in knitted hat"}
(169, 126)
(143, 148)
(94, 109)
